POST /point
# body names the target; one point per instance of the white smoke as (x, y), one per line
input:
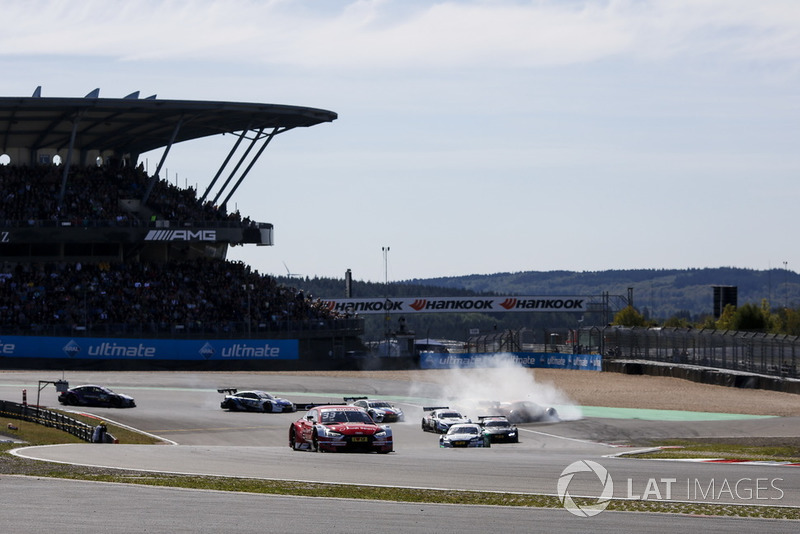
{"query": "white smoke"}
(472, 390)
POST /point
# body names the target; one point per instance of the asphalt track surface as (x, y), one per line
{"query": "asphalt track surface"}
(184, 408)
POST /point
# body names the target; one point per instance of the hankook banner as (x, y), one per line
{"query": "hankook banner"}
(458, 304)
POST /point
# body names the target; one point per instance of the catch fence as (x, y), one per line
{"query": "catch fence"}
(752, 352)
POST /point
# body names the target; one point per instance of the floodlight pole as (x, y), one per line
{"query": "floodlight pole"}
(387, 318)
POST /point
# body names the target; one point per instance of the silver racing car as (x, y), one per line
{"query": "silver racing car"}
(254, 401)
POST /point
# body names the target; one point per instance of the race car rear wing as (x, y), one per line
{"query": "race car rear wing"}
(431, 408)
(227, 391)
(309, 405)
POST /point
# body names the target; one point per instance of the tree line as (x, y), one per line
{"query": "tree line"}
(748, 317)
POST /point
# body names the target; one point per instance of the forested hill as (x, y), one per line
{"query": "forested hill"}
(661, 293)
(658, 293)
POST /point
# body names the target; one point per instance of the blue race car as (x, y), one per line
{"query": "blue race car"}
(254, 401)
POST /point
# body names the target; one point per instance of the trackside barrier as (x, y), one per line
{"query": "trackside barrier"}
(47, 418)
(549, 360)
(749, 352)
(142, 350)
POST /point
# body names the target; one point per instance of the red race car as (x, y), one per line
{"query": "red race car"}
(339, 428)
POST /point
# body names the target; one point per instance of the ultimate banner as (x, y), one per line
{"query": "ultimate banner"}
(147, 349)
(458, 304)
(544, 360)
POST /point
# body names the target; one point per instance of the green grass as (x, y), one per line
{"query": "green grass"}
(123, 435)
(34, 434)
(729, 450)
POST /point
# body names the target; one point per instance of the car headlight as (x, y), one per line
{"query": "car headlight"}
(381, 434)
(332, 433)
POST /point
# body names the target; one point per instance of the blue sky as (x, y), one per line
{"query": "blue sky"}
(473, 136)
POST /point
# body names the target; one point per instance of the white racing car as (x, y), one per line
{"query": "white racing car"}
(465, 435)
(381, 411)
(440, 418)
(254, 401)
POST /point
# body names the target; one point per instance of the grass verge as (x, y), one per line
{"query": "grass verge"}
(769, 450)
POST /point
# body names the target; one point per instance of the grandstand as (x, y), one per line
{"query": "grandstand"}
(107, 266)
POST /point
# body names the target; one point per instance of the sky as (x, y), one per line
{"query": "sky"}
(473, 137)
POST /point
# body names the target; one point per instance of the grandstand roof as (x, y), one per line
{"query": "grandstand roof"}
(132, 125)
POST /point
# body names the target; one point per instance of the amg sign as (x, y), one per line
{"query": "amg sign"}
(458, 304)
(181, 235)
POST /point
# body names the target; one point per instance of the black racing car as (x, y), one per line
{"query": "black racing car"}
(92, 395)
(499, 429)
(528, 412)
(519, 411)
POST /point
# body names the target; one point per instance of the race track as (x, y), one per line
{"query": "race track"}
(184, 408)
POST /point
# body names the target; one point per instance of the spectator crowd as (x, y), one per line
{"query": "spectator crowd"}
(201, 295)
(93, 195)
(208, 295)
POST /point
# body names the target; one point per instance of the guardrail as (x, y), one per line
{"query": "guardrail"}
(48, 418)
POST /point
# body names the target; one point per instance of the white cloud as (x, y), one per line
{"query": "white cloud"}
(391, 33)
(473, 136)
